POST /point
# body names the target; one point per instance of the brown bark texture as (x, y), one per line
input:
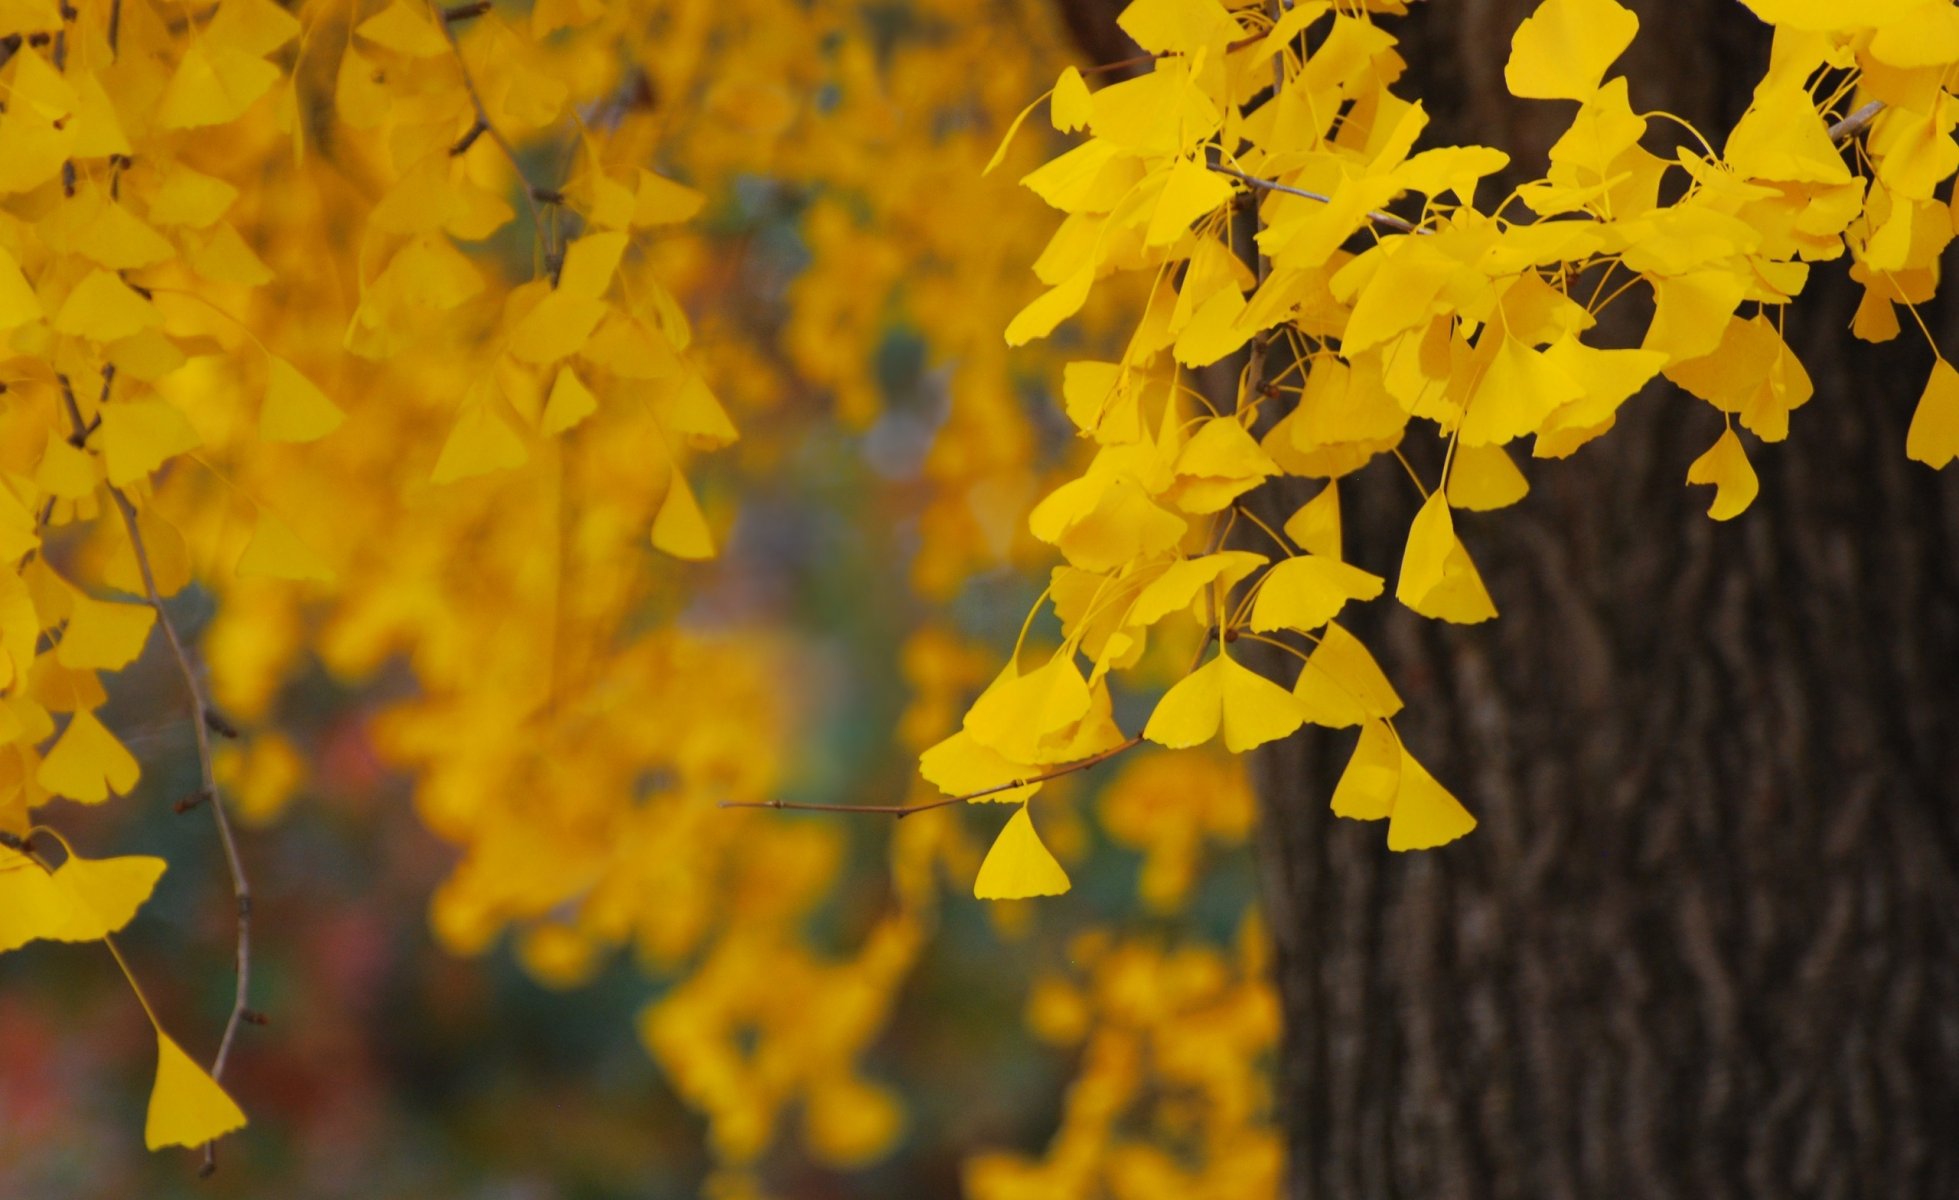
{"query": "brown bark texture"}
(1705, 942)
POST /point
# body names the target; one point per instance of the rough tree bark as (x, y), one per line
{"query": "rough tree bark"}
(1706, 940)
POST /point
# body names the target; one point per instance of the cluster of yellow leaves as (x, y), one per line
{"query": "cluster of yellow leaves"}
(1171, 1098)
(1361, 321)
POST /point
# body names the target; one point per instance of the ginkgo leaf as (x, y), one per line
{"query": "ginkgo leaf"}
(106, 893)
(1250, 708)
(18, 304)
(275, 552)
(103, 636)
(251, 26)
(661, 201)
(1019, 866)
(590, 262)
(65, 470)
(959, 765)
(1315, 528)
(556, 327)
(1725, 465)
(679, 528)
(220, 255)
(1438, 579)
(1425, 814)
(1308, 591)
(102, 308)
(1482, 478)
(187, 1106)
(569, 403)
(1051, 308)
(1177, 588)
(213, 85)
(1018, 710)
(1933, 438)
(406, 29)
(1562, 50)
(31, 906)
(1068, 108)
(188, 197)
(295, 409)
(480, 443)
(138, 436)
(1367, 787)
(87, 763)
(1189, 192)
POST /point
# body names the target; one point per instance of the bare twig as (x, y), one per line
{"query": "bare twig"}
(905, 810)
(531, 189)
(201, 716)
(1854, 124)
(1137, 60)
(1379, 218)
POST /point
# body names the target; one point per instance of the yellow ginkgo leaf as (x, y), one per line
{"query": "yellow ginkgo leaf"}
(556, 326)
(103, 636)
(1933, 438)
(1018, 710)
(480, 443)
(590, 262)
(1483, 478)
(1051, 308)
(1250, 708)
(1425, 814)
(138, 436)
(1725, 465)
(1068, 108)
(569, 403)
(187, 197)
(960, 765)
(1367, 787)
(1562, 50)
(1316, 526)
(1308, 591)
(660, 201)
(1341, 665)
(222, 256)
(65, 470)
(1019, 866)
(405, 29)
(102, 308)
(679, 528)
(295, 409)
(256, 27)
(106, 893)
(18, 304)
(275, 552)
(1437, 577)
(87, 763)
(187, 1106)
(213, 85)
(31, 906)
(1190, 191)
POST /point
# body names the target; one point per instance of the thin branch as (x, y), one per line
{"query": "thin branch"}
(202, 713)
(532, 191)
(1854, 124)
(905, 810)
(1137, 60)
(1376, 216)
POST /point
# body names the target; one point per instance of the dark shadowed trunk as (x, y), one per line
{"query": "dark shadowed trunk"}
(1705, 942)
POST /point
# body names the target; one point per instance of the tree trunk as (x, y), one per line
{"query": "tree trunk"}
(1705, 941)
